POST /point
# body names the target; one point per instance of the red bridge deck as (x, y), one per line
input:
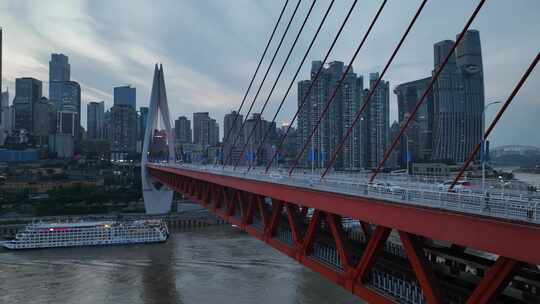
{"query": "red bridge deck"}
(263, 209)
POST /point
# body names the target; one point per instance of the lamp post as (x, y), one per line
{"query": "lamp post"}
(483, 146)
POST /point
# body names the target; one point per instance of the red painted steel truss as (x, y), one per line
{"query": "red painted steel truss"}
(264, 210)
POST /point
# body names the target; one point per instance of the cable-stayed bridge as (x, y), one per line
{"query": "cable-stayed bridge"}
(386, 239)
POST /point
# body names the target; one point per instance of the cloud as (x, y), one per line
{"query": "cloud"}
(210, 48)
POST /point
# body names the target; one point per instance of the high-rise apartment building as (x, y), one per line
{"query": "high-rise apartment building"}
(182, 130)
(333, 125)
(258, 127)
(28, 92)
(68, 110)
(123, 131)
(458, 96)
(213, 133)
(417, 141)
(205, 129)
(95, 112)
(125, 95)
(232, 123)
(378, 121)
(44, 121)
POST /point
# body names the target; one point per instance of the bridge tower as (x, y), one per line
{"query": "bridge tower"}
(157, 196)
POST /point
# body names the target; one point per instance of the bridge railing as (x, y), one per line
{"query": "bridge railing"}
(499, 205)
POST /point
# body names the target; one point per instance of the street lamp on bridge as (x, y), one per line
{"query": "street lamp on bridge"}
(483, 145)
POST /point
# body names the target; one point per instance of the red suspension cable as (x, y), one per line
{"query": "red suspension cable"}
(268, 130)
(496, 120)
(304, 100)
(332, 97)
(424, 95)
(276, 81)
(256, 71)
(263, 80)
(373, 88)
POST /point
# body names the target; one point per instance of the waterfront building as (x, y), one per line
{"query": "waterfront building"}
(182, 130)
(458, 96)
(418, 138)
(338, 118)
(59, 71)
(28, 92)
(125, 95)
(378, 121)
(205, 129)
(95, 112)
(123, 124)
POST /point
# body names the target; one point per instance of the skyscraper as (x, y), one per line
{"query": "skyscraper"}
(205, 129)
(28, 92)
(418, 138)
(458, 96)
(125, 95)
(59, 71)
(123, 123)
(5, 117)
(257, 127)
(182, 130)
(123, 131)
(378, 121)
(43, 120)
(68, 110)
(143, 117)
(231, 127)
(95, 120)
(333, 125)
(1, 57)
(213, 132)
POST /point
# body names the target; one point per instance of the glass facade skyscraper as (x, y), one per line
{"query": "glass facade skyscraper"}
(125, 95)
(378, 121)
(95, 112)
(182, 130)
(59, 71)
(417, 141)
(28, 92)
(458, 99)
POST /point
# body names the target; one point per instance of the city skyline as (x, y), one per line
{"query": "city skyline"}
(197, 83)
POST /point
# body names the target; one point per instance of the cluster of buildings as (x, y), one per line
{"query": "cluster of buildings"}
(51, 125)
(444, 130)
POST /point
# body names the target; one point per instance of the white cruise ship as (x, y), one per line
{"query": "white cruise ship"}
(48, 235)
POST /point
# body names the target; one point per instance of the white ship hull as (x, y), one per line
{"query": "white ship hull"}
(55, 235)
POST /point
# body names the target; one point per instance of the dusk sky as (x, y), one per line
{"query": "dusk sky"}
(209, 49)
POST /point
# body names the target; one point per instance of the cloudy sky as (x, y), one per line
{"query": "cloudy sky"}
(210, 48)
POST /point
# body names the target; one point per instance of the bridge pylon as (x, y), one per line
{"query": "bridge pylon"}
(157, 196)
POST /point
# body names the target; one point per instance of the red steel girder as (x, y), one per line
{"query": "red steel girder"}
(292, 216)
(309, 236)
(373, 248)
(262, 211)
(342, 247)
(462, 229)
(366, 228)
(424, 274)
(494, 282)
(277, 207)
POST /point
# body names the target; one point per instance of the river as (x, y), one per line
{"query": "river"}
(210, 265)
